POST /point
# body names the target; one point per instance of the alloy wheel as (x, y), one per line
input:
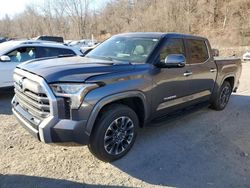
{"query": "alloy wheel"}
(225, 95)
(119, 135)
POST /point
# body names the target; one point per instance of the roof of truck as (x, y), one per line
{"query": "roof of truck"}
(160, 35)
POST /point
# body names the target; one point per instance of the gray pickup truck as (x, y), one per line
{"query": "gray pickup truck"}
(128, 82)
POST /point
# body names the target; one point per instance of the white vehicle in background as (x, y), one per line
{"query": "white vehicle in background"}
(246, 56)
(83, 43)
(87, 49)
(14, 52)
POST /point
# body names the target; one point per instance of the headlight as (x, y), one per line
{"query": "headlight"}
(76, 92)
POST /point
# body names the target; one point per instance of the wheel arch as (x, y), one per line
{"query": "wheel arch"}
(128, 98)
(230, 78)
(218, 84)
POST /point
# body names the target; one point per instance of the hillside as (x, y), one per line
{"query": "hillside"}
(224, 22)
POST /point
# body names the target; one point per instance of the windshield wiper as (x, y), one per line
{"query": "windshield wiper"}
(108, 58)
(65, 55)
(101, 57)
(114, 61)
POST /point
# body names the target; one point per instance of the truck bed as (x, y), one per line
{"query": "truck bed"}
(228, 66)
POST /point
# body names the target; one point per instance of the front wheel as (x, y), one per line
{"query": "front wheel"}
(114, 133)
(222, 97)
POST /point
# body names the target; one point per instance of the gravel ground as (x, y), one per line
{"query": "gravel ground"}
(203, 149)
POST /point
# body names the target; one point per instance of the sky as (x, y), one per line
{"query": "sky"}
(12, 7)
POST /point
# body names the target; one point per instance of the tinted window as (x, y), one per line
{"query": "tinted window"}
(51, 38)
(66, 52)
(198, 51)
(53, 52)
(172, 46)
(22, 54)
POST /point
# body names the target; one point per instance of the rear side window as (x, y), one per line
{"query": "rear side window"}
(198, 51)
(53, 52)
(171, 46)
(66, 52)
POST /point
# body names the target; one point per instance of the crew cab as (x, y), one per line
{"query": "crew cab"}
(130, 81)
(14, 52)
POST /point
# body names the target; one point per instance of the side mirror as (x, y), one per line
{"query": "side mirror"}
(215, 52)
(173, 61)
(5, 58)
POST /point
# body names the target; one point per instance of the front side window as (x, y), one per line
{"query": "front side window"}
(22, 54)
(198, 51)
(171, 46)
(132, 49)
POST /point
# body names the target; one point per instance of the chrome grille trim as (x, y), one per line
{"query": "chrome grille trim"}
(39, 104)
(36, 107)
(30, 108)
(39, 100)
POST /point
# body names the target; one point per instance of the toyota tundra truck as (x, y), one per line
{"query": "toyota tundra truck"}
(128, 82)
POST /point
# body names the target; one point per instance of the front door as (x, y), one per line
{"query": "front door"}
(16, 56)
(7, 69)
(170, 83)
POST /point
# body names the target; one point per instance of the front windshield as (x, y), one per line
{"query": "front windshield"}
(131, 49)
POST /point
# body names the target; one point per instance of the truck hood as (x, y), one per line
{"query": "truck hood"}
(73, 69)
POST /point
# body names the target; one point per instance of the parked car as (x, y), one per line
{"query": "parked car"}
(3, 39)
(129, 81)
(67, 42)
(83, 43)
(50, 38)
(246, 56)
(14, 52)
(86, 50)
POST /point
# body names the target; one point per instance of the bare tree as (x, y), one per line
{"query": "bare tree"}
(76, 19)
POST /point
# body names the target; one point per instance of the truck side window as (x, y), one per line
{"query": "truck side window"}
(198, 51)
(171, 46)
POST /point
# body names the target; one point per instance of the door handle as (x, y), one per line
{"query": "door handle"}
(187, 73)
(212, 70)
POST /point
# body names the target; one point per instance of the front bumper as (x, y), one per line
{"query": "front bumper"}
(62, 130)
(52, 126)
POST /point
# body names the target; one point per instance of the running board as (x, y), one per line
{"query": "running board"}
(177, 114)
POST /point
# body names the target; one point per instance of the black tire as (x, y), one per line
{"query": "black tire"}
(111, 139)
(222, 97)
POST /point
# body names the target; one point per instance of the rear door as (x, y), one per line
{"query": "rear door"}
(203, 68)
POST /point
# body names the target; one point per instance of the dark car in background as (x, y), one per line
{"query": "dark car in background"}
(3, 39)
(50, 38)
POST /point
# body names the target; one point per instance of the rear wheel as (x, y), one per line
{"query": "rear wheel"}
(114, 133)
(222, 97)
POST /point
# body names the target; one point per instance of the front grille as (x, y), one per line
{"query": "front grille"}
(31, 96)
